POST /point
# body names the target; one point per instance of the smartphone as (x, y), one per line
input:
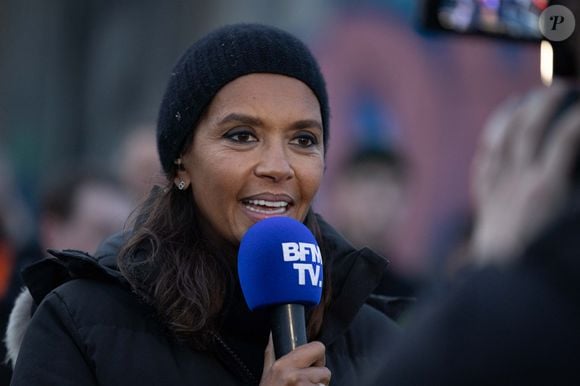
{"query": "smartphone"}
(516, 20)
(507, 19)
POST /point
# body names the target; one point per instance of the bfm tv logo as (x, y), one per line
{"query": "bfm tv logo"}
(306, 257)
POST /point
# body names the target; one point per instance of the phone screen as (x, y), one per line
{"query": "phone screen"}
(512, 19)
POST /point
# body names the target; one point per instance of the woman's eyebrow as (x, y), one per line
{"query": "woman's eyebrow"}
(307, 124)
(241, 118)
(254, 121)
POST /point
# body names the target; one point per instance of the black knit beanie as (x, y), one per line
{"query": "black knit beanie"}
(217, 59)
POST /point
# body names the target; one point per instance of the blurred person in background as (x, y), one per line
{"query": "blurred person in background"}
(369, 198)
(139, 168)
(20, 225)
(6, 258)
(512, 320)
(18, 247)
(368, 203)
(242, 136)
(80, 209)
(77, 211)
(7, 263)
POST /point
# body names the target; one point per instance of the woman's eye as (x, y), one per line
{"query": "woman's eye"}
(305, 140)
(241, 136)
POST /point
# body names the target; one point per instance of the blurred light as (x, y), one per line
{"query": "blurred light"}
(546, 62)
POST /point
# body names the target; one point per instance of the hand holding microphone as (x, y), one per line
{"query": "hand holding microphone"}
(280, 269)
(303, 366)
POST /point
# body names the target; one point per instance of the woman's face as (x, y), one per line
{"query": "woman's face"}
(256, 153)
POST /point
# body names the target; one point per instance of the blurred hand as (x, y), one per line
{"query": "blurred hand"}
(520, 183)
(303, 366)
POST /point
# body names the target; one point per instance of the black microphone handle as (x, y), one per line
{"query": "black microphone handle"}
(288, 328)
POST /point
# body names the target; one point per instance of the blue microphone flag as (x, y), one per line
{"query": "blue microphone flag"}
(279, 262)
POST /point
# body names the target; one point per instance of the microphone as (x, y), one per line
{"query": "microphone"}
(280, 268)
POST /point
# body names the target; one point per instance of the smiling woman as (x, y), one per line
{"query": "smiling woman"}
(242, 135)
(256, 152)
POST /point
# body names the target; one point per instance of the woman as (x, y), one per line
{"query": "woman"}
(242, 136)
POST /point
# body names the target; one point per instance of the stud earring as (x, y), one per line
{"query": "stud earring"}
(181, 185)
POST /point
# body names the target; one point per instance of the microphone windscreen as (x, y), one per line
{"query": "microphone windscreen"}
(279, 262)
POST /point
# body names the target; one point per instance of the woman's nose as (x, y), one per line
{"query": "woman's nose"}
(274, 163)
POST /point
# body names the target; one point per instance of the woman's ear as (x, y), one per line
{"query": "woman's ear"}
(182, 180)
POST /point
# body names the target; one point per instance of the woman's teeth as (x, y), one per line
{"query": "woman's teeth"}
(271, 204)
(266, 207)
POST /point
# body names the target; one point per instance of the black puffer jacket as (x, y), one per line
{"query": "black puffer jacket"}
(90, 329)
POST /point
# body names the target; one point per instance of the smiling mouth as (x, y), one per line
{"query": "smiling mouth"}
(266, 207)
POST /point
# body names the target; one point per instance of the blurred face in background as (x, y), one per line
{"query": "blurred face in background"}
(140, 168)
(97, 211)
(257, 152)
(369, 205)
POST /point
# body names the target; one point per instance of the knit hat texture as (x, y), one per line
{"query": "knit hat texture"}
(217, 59)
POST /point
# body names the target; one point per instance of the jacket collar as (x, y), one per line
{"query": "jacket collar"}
(354, 274)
